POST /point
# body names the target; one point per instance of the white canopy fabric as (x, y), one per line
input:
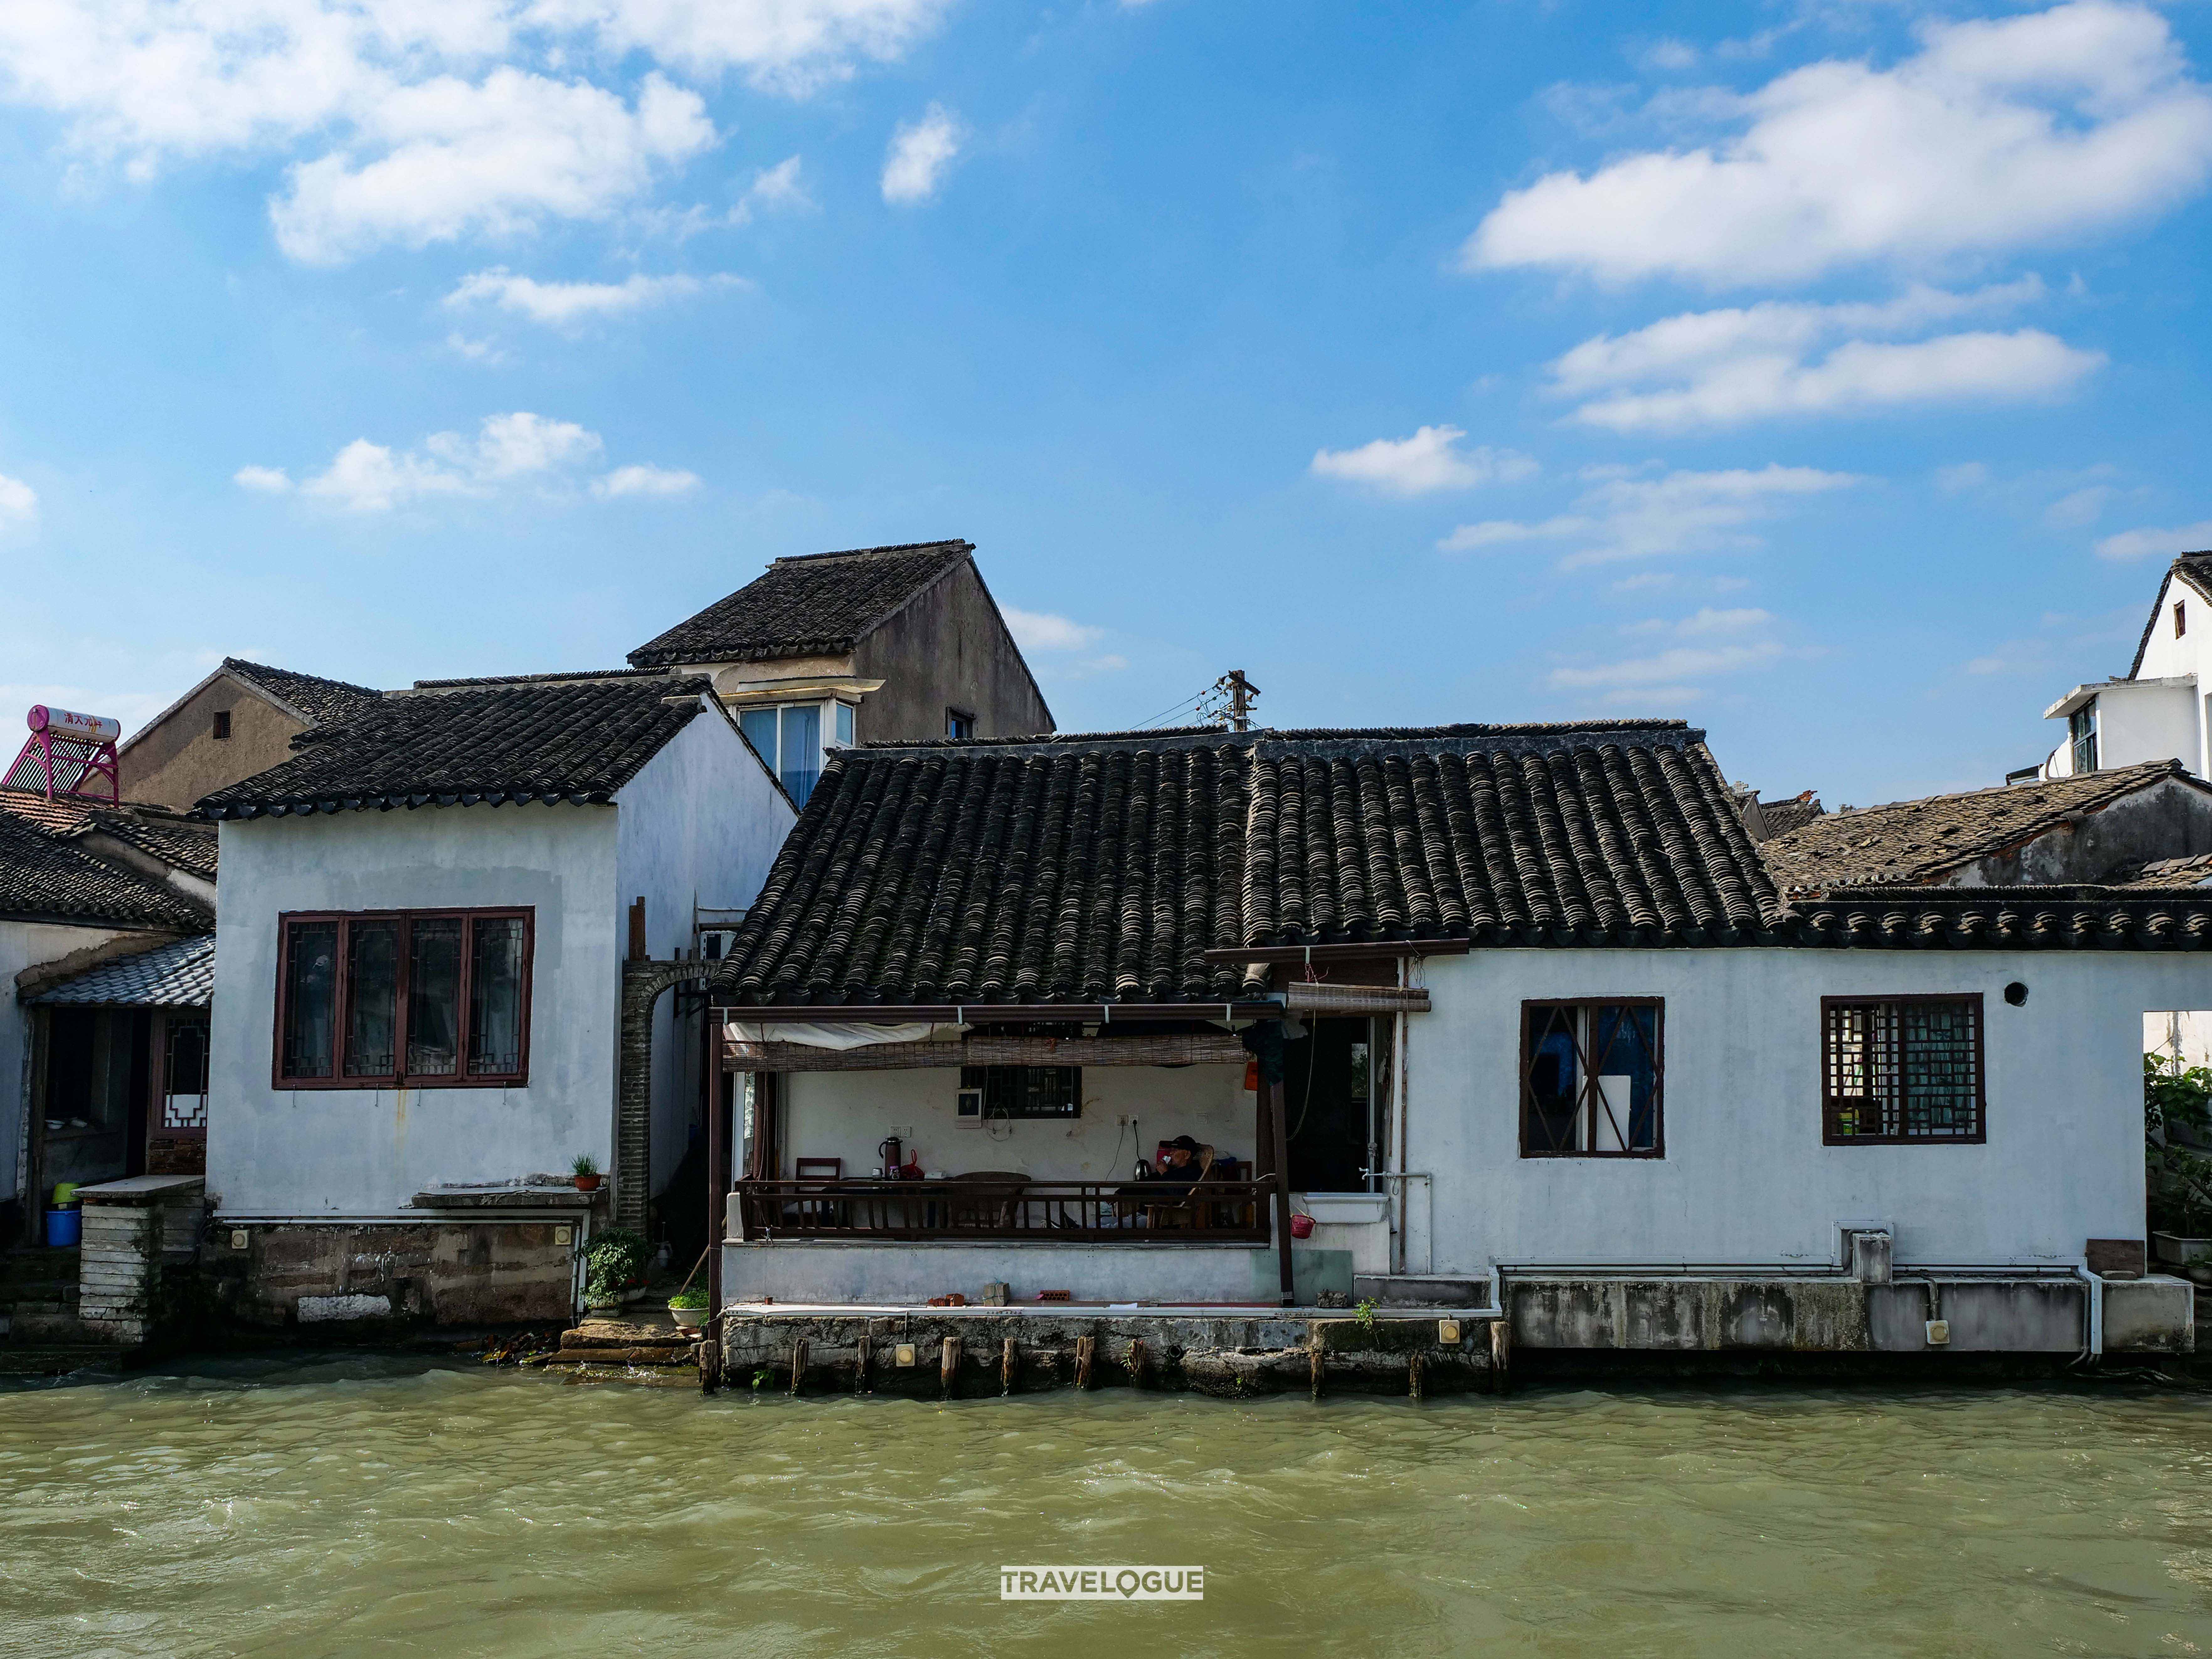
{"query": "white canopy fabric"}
(840, 1033)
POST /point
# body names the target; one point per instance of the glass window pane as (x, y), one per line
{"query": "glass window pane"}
(759, 726)
(372, 997)
(433, 998)
(845, 722)
(495, 998)
(311, 977)
(801, 760)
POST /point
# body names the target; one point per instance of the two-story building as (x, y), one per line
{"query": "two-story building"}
(2158, 710)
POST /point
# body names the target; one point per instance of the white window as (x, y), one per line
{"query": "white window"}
(791, 739)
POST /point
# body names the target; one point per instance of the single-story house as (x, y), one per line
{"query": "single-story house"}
(1516, 1016)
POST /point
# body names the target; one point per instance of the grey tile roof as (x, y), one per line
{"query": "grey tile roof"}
(45, 875)
(165, 834)
(1081, 869)
(1790, 812)
(1918, 841)
(814, 605)
(545, 742)
(178, 975)
(562, 676)
(320, 700)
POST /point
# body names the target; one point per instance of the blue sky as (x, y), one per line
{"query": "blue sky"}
(1834, 375)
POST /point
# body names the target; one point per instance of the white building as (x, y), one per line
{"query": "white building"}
(1550, 1038)
(419, 965)
(2158, 710)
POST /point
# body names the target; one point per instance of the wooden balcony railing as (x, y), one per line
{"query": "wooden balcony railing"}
(1040, 1212)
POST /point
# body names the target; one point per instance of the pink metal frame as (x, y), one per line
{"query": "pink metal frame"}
(82, 760)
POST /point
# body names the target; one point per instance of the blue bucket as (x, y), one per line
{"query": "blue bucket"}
(65, 1228)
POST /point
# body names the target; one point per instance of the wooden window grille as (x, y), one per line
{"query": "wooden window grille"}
(1026, 1090)
(1902, 1071)
(1593, 1078)
(404, 998)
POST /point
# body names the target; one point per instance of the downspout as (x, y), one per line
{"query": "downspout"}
(2093, 1342)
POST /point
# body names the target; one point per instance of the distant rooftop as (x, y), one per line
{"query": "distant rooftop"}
(813, 605)
(320, 700)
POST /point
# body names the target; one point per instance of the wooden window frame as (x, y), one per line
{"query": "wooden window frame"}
(400, 1078)
(1658, 1147)
(220, 727)
(953, 714)
(977, 1078)
(1829, 1101)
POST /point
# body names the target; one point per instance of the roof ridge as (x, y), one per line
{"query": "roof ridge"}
(238, 664)
(860, 552)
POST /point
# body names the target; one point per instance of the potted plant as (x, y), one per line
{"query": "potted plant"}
(688, 1307)
(586, 1169)
(2178, 1163)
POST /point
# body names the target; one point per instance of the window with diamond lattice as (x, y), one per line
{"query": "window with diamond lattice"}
(1902, 1071)
(1591, 1079)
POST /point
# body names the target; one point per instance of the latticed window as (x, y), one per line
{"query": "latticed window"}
(385, 998)
(1591, 1079)
(1901, 1070)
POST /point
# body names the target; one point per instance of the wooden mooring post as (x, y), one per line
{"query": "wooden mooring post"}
(1314, 1351)
(710, 1357)
(863, 1356)
(1501, 1352)
(1086, 1348)
(1413, 1369)
(948, 1370)
(797, 1364)
(1006, 1362)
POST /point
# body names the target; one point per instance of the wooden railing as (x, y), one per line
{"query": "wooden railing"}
(1041, 1212)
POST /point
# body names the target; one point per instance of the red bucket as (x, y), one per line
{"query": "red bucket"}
(1301, 1226)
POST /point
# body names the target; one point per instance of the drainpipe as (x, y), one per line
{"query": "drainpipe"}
(2093, 1342)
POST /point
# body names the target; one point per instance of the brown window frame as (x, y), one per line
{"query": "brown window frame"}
(1589, 1075)
(399, 1078)
(2180, 619)
(1832, 1102)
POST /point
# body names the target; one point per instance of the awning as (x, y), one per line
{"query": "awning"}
(178, 975)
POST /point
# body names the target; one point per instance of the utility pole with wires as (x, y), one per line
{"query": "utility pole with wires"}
(1228, 702)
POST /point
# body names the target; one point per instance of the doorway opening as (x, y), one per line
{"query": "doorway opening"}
(1328, 1106)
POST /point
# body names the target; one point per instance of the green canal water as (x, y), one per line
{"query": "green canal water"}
(365, 1507)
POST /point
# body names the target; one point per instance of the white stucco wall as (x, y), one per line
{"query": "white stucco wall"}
(2166, 657)
(700, 824)
(1746, 1179)
(847, 1114)
(275, 1152)
(26, 944)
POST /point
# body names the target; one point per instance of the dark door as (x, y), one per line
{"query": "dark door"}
(1328, 1106)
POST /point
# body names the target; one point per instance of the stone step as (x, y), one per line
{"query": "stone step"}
(56, 1358)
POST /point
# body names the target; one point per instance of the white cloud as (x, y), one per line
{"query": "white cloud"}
(561, 305)
(1996, 134)
(2077, 508)
(1961, 476)
(1042, 631)
(266, 480)
(644, 480)
(1429, 461)
(476, 351)
(19, 502)
(495, 158)
(776, 189)
(1703, 622)
(1628, 517)
(370, 477)
(920, 153)
(2164, 544)
(1715, 367)
(366, 477)
(1672, 666)
(410, 121)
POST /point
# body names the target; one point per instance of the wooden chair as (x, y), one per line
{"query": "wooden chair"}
(986, 1199)
(819, 1212)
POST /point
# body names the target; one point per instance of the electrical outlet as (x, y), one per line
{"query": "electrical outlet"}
(1448, 1330)
(903, 1354)
(1939, 1333)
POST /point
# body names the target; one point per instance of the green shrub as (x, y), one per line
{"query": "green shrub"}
(2178, 1181)
(614, 1262)
(694, 1296)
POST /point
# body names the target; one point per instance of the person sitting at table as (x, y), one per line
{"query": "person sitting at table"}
(1179, 1169)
